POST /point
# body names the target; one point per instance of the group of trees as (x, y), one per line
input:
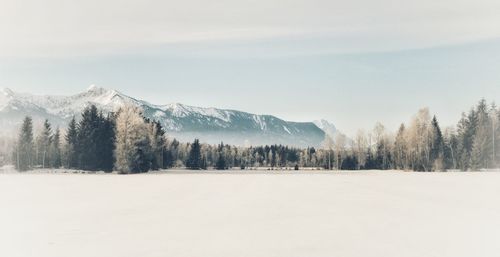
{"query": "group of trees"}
(124, 141)
(423, 146)
(43, 151)
(140, 143)
(127, 142)
(223, 156)
(88, 144)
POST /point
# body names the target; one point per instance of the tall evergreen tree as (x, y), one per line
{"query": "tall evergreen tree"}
(55, 150)
(142, 156)
(482, 146)
(157, 138)
(72, 152)
(88, 144)
(24, 150)
(106, 146)
(437, 146)
(171, 154)
(450, 150)
(194, 160)
(44, 142)
(221, 158)
(466, 132)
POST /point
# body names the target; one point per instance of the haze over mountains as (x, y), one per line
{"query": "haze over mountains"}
(180, 121)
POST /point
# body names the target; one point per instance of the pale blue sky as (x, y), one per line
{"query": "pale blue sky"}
(352, 63)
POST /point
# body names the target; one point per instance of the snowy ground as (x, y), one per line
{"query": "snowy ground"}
(376, 213)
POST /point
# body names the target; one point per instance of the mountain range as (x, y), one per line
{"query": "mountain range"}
(180, 121)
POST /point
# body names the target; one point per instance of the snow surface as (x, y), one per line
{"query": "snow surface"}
(375, 213)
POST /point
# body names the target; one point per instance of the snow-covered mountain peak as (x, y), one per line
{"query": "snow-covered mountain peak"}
(94, 90)
(109, 99)
(181, 121)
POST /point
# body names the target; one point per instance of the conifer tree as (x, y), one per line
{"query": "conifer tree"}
(203, 162)
(221, 158)
(142, 156)
(450, 150)
(168, 156)
(44, 142)
(467, 132)
(194, 160)
(157, 138)
(55, 150)
(88, 152)
(71, 145)
(437, 147)
(106, 142)
(24, 150)
(481, 146)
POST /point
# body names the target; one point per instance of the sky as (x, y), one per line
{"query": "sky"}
(351, 62)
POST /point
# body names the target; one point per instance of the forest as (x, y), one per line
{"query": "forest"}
(127, 142)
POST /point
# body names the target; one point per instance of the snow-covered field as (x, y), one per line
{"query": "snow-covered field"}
(376, 213)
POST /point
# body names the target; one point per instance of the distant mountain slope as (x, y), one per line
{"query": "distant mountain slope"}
(183, 122)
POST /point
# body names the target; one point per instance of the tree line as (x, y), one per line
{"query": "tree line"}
(421, 145)
(128, 142)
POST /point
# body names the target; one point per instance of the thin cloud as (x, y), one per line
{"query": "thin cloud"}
(62, 28)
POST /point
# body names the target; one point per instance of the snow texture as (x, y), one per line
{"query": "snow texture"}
(349, 214)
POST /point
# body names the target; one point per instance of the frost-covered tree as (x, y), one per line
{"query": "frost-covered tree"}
(467, 128)
(360, 146)
(382, 147)
(496, 136)
(55, 150)
(401, 149)
(44, 142)
(133, 149)
(24, 152)
(340, 149)
(420, 141)
(328, 144)
(482, 148)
